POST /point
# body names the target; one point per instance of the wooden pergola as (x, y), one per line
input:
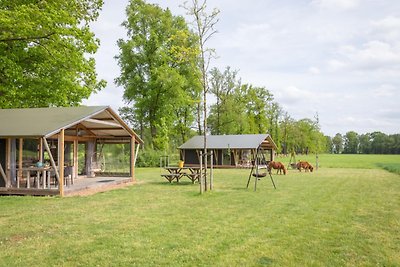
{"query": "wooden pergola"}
(52, 129)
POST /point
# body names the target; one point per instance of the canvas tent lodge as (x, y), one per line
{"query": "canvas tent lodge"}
(230, 151)
(44, 150)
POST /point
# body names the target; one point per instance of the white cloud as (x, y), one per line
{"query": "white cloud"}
(387, 28)
(376, 54)
(314, 70)
(335, 65)
(249, 35)
(392, 114)
(370, 56)
(342, 4)
(291, 95)
(385, 90)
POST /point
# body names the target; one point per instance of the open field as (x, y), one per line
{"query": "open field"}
(333, 217)
(347, 160)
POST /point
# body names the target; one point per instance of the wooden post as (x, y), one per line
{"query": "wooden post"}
(61, 161)
(75, 161)
(132, 161)
(211, 170)
(201, 178)
(256, 166)
(28, 179)
(20, 147)
(53, 164)
(41, 150)
(8, 163)
(3, 174)
(90, 153)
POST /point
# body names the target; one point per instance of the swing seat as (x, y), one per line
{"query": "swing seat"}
(260, 175)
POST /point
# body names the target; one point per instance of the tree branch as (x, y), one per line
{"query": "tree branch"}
(30, 38)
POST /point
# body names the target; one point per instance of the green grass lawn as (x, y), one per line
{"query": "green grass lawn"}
(332, 217)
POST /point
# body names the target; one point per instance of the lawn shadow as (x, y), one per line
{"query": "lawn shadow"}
(240, 188)
(166, 183)
(265, 261)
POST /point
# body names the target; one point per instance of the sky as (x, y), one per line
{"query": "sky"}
(338, 59)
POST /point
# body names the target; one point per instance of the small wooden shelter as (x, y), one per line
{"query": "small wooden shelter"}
(229, 150)
(53, 136)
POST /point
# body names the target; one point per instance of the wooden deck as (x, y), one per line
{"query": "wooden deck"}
(87, 186)
(81, 186)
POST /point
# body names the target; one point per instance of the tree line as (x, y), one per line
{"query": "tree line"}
(368, 143)
(159, 64)
(46, 51)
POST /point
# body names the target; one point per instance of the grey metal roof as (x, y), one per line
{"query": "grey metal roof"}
(244, 141)
(44, 122)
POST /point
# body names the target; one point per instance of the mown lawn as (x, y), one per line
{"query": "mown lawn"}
(332, 217)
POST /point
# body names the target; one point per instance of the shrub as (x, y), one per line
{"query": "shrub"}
(151, 158)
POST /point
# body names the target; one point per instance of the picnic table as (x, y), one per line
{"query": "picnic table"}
(176, 173)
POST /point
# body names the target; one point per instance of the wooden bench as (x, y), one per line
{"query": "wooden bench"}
(172, 176)
(192, 176)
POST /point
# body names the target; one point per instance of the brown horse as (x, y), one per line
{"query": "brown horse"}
(277, 166)
(304, 165)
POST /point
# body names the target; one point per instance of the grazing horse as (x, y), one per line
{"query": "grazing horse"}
(277, 166)
(305, 165)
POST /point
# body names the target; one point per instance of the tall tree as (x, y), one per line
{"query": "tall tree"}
(337, 141)
(223, 86)
(204, 26)
(257, 102)
(286, 126)
(379, 143)
(351, 143)
(158, 70)
(45, 52)
(274, 114)
(365, 143)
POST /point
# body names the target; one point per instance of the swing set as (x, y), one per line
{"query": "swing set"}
(259, 164)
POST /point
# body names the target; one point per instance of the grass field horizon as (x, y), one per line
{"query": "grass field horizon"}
(336, 216)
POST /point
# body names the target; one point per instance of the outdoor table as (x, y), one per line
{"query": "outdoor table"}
(39, 172)
(194, 174)
(178, 172)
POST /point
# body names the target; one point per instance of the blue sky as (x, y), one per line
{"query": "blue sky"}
(337, 58)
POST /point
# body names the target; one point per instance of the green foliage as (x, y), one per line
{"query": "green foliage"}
(45, 49)
(240, 109)
(148, 158)
(303, 136)
(333, 217)
(371, 143)
(246, 109)
(159, 72)
(350, 143)
(222, 118)
(337, 143)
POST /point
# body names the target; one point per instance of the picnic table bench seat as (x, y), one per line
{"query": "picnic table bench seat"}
(192, 176)
(172, 176)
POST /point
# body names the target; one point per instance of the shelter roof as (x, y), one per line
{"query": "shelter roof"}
(100, 121)
(244, 141)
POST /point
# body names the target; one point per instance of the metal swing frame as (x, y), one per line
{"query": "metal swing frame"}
(258, 158)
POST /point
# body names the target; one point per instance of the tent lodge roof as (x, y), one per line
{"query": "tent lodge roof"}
(244, 141)
(100, 121)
